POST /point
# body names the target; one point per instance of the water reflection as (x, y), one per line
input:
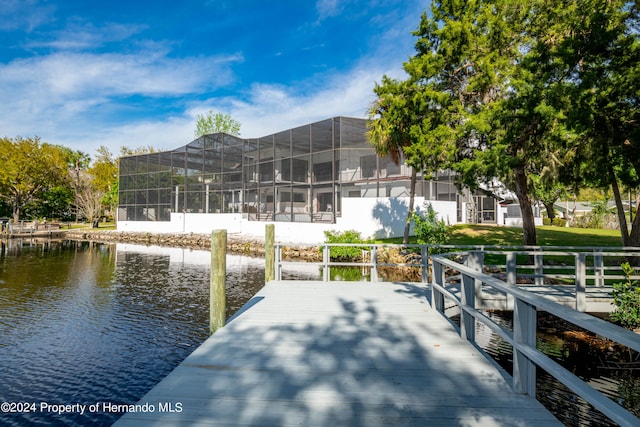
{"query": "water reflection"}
(606, 366)
(86, 323)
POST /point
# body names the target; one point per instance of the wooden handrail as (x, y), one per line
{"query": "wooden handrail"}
(523, 339)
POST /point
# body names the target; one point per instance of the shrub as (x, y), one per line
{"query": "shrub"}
(344, 252)
(626, 298)
(428, 229)
(558, 222)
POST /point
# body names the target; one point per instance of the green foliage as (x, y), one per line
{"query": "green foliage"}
(55, 204)
(346, 274)
(29, 169)
(601, 216)
(216, 122)
(626, 298)
(557, 222)
(344, 252)
(428, 229)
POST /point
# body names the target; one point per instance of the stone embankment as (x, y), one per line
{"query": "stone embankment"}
(235, 243)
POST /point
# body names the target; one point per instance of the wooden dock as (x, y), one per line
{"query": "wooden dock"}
(337, 354)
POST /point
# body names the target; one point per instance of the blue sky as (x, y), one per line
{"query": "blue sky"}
(135, 73)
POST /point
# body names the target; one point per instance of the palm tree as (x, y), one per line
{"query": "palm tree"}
(391, 119)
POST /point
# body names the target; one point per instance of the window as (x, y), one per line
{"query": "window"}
(368, 166)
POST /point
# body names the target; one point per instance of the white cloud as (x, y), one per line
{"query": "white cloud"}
(328, 8)
(267, 109)
(85, 35)
(272, 108)
(82, 74)
(56, 95)
(24, 14)
(62, 96)
(162, 135)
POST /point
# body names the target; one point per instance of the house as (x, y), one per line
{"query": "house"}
(312, 178)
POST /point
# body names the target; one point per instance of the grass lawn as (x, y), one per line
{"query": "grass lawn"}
(109, 225)
(466, 234)
(547, 236)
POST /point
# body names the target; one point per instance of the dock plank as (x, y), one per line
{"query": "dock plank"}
(334, 354)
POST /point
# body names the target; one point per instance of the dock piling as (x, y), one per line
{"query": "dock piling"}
(269, 253)
(217, 297)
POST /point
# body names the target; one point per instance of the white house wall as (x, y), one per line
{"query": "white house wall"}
(372, 217)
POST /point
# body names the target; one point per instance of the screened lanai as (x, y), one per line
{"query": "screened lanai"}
(299, 175)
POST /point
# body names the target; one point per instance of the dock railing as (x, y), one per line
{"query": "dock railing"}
(459, 277)
(533, 265)
(369, 259)
(522, 337)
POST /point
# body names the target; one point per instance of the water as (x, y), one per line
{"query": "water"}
(85, 323)
(91, 323)
(612, 369)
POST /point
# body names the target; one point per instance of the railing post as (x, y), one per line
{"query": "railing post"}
(511, 277)
(278, 262)
(524, 334)
(581, 285)
(475, 261)
(269, 253)
(598, 268)
(511, 268)
(217, 298)
(374, 264)
(467, 321)
(437, 297)
(424, 253)
(325, 263)
(539, 268)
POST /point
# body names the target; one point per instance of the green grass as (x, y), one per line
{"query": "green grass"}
(547, 236)
(466, 234)
(109, 225)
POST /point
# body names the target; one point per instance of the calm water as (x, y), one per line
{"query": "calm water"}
(89, 323)
(613, 370)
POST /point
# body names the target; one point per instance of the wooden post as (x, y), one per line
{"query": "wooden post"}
(598, 268)
(581, 282)
(325, 262)
(437, 297)
(524, 335)
(468, 297)
(217, 298)
(539, 268)
(424, 251)
(511, 278)
(374, 264)
(269, 253)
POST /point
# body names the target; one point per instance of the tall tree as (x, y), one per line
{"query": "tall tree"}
(392, 115)
(216, 122)
(90, 199)
(605, 46)
(408, 124)
(104, 180)
(484, 66)
(28, 168)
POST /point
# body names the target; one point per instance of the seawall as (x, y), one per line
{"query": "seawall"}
(235, 243)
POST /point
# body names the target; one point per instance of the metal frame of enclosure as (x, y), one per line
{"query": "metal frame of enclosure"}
(298, 175)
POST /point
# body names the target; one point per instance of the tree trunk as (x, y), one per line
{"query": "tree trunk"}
(550, 212)
(634, 236)
(622, 218)
(16, 215)
(528, 222)
(412, 196)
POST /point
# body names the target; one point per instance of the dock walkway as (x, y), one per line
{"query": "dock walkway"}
(337, 354)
